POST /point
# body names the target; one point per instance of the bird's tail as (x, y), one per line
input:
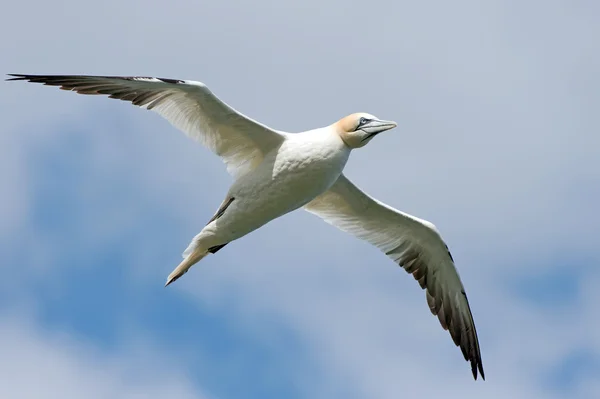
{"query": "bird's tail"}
(190, 260)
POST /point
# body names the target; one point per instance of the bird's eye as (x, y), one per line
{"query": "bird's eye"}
(363, 121)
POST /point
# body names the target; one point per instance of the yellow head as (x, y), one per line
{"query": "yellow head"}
(358, 129)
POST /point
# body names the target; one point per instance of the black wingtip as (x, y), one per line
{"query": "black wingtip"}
(16, 77)
(30, 78)
(475, 366)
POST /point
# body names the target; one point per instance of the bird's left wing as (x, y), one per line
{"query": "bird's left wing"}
(416, 246)
(189, 105)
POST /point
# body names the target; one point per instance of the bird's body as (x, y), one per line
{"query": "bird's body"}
(277, 172)
(304, 166)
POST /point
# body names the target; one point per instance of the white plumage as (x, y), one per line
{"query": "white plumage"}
(277, 172)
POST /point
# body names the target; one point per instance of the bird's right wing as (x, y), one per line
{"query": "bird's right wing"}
(190, 106)
(416, 246)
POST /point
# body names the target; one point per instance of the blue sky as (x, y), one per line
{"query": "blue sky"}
(497, 145)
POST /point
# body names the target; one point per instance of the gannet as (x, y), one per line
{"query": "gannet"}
(277, 172)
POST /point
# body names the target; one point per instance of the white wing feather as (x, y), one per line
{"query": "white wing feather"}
(415, 245)
(190, 106)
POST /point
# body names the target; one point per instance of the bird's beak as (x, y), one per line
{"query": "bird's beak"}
(377, 126)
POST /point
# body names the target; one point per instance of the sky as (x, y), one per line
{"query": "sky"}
(497, 144)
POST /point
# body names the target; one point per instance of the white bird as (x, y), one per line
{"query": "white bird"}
(277, 172)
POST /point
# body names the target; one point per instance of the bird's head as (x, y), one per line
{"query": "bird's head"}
(358, 129)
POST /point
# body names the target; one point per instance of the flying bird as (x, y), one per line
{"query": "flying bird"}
(276, 172)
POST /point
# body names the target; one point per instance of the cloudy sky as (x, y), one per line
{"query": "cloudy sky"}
(497, 144)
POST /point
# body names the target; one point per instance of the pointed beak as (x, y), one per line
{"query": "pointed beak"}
(384, 125)
(377, 126)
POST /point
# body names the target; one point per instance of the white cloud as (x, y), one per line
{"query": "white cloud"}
(370, 329)
(43, 363)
